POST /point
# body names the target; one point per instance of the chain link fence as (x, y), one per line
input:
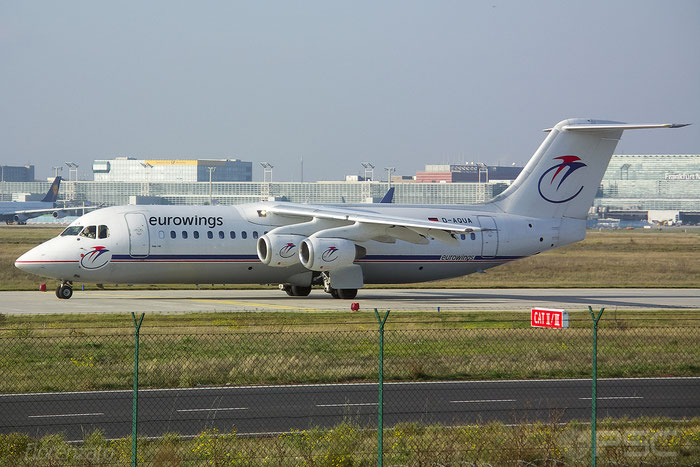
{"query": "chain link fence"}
(308, 395)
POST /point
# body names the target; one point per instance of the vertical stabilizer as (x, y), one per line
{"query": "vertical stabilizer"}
(562, 177)
(52, 194)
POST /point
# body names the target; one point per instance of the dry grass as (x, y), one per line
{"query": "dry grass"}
(637, 258)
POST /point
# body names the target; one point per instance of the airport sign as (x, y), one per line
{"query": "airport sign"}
(549, 318)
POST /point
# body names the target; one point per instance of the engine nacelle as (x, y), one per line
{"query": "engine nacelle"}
(327, 254)
(279, 250)
(59, 214)
(21, 218)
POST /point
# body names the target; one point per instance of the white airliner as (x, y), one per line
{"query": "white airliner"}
(340, 247)
(20, 212)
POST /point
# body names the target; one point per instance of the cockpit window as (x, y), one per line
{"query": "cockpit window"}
(90, 231)
(102, 231)
(72, 230)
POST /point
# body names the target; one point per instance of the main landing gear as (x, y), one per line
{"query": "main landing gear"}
(296, 290)
(65, 290)
(343, 294)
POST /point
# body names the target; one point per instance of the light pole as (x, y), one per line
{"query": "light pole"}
(56, 169)
(388, 175)
(211, 171)
(369, 169)
(72, 167)
(267, 179)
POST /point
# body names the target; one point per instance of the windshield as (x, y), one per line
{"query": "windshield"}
(72, 230)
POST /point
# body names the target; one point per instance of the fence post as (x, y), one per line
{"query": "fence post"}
(135, 405)
(595, 382)
(380, 429)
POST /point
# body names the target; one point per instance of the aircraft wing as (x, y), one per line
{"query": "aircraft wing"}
(372, 225)
(38, 212)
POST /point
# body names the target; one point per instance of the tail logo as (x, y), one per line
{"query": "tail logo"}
(95, 258)
(287, 251)
(552, 190)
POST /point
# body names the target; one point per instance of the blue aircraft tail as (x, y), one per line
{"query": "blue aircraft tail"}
(52, 194)
(389, 196)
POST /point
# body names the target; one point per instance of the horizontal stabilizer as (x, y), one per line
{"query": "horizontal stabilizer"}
(619, 126)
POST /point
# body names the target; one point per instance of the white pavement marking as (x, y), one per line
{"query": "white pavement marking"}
(480, 401)
(213, 410)
(348, 405)
(95, 414)
(610, 398)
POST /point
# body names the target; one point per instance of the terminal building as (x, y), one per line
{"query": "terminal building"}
(473, 172)
(633, 186)
(14, 173)
(129, 169)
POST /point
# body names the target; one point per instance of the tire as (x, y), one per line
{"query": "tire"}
(66, 292)
(58, 292)
(300, 291)
(347, 294)
(334, 293)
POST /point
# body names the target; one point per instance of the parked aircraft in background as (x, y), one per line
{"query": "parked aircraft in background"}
(21, 211)
(340, 247)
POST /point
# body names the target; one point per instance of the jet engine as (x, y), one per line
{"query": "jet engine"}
(21, 219)
(328, 254)
(59, 214)
(279, 250)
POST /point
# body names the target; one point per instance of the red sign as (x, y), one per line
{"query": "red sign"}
(547, 318)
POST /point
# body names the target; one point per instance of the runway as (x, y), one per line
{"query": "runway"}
(183, 301)
(255, 410)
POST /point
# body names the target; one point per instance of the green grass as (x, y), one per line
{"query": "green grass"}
(622, 258)
(620, 442)
(56, 353)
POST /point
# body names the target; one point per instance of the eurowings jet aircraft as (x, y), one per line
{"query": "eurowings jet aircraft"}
(20, 212)
(340, 247)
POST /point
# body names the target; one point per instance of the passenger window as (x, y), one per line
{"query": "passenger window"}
(102, 231)
(73, 230)
(232, 234)
(195, 234)
(210, 234)
(244, 234)
(472, 236)
(89, 231)
(161, 234)
(173, 234)
(184, 234)
(255, 234)
(221, 234)
(462, 236)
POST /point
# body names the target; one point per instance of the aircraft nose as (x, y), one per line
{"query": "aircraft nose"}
(28, 262)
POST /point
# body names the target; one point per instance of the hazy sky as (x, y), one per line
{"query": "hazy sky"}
(397, 83)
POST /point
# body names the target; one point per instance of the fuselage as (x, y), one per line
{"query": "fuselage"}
(217, 244)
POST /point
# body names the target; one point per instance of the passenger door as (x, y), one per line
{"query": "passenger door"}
(139, 241)
(489, 238)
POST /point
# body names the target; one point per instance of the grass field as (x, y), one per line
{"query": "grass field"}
(622, 258)
(64, 353)
(620, 442)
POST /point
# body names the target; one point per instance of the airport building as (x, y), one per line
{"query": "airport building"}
(14, 173)
(473, 172)
(129, 169)
(651, 182)
(633, 184)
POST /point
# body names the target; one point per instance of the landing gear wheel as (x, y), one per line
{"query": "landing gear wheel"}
(64, 291)
(333, 292)
(300, 291)
(346, 294)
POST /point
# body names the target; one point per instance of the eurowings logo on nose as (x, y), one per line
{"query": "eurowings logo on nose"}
(330, 254)
(552, 190)
(95, 258)
(287, 251)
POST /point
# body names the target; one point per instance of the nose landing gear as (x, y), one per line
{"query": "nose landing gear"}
(65, 290)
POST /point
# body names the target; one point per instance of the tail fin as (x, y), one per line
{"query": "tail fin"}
(52, 194)
(562, 177)
(389, 196)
